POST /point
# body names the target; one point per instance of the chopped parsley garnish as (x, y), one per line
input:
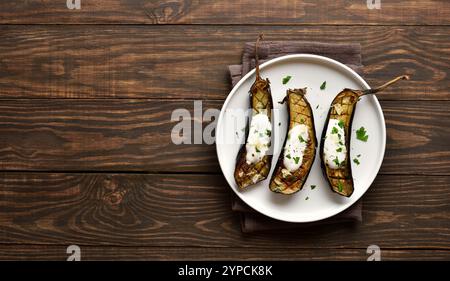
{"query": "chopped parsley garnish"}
(341, 124)
(339, 136)
(361, 134)
(257, 150)
(286, 79)
(317, 106)
(340, 186)
(313, 186)
(336, 161)
(268, 132)
(301, 139)
(288, 156)
(356, 161)
(306, 198)
(334, 130)
(296, 159)
(279, 124)
(324, 85)
(359, 155)
(339, 149)
(341, 143)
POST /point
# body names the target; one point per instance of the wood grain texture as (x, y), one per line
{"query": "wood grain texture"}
(114, 253)
(427, 12)
(136, 135)
(190, 62)
(194, 210)
(92, 90)
(86, 135)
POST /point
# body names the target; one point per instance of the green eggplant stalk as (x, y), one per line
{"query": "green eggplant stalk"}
(335, 140)
(254, 159)
(299, 149)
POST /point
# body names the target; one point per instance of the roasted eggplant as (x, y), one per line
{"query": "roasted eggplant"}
(335, 140)
(254, 158)
(299, 149)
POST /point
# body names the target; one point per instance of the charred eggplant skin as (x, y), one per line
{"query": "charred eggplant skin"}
(246, 174)
(299, 112)
(341, 179)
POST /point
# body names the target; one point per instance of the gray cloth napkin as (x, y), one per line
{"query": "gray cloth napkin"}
(348, 54)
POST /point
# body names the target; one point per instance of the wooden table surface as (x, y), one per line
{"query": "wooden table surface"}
(86, 155)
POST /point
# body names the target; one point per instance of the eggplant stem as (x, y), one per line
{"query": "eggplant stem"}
(384, 86)
(260, 37)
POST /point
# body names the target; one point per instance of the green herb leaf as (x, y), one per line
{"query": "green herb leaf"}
(288, 156)
(286, 79)
(340, 186)
(268, 132)
(334, 130)
(301, 139)
(356, 161)
(307, 198)
(317, 106)
(339, 149)
(336, 161)
(341, 124)
(341, 143)
(361, 134)
(257, 150)
(296, 159)
(324, 85)
(313, 186)
(359, 155)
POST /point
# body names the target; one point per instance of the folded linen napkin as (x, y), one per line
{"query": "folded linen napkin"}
(348, 54)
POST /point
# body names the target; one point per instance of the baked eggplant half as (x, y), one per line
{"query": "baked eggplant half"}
(335, 140)
(255, 158)
(299, 149)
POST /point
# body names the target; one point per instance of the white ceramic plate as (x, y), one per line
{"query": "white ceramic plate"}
(308, 71)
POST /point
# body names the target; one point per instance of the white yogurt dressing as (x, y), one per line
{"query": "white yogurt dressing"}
(258, 141)
(295, 147)
(334, 149)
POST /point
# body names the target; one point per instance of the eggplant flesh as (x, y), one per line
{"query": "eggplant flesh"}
(300, 112)
(343, 109)
(250, 172)
(245, 173)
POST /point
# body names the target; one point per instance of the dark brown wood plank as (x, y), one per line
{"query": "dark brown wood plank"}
(194, 210)
(426, 12)
(135, 135)
(86, 135)
(418, 135)
(114, 253)
(190, 62)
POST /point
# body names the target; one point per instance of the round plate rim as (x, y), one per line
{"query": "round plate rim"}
(326, 60)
